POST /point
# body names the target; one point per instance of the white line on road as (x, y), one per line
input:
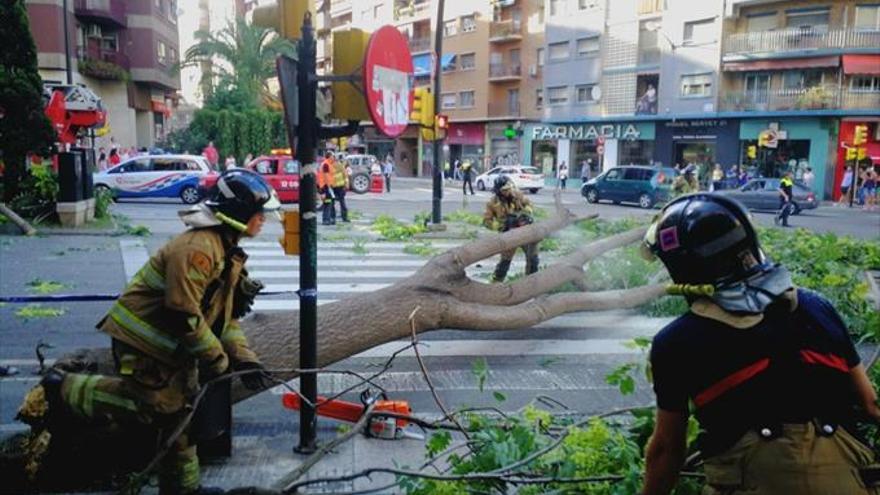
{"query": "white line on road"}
(445, 348)
(328, 288)
(134, 256)
(283, 304)
(343, 244)
(278, 253)
(340, 262)
(333, 274)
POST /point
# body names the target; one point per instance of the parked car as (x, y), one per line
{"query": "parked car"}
(281, 172)
(359, 180)
(160, 176)
(525, 178)
(763, 194)
(644, 185)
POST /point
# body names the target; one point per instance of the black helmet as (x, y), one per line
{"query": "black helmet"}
(238, 195)
(502, 182)
(706, 239)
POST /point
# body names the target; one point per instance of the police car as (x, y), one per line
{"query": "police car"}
(156, 176)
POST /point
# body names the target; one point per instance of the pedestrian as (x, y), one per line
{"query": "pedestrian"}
(809, 178)
(114, 159)
(845, 186)
(585, 170)
(717, 178)
(467, 172)
(325, 188)
(562, 174)
(229, 164)
(175, 327)
(447, 170)
(685, 182)
(786, 201)
(387, 170)
(102, 159)
(456, 169)
(375, 169)
(509, 209)
(870, 188)
(340, 187)
(211, 154)
(768, 370)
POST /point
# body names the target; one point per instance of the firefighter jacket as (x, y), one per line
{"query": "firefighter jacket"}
(177, 308)
(499, 211)
(332, 174)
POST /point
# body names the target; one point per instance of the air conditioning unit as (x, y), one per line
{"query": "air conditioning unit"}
(533, 70)
(93, 31)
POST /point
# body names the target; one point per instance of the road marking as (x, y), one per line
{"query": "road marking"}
(326, 288)
(134, 256)
(340, 262)
(529, 347)
(343, 244)
(332, 274)
(265, 253)
(283, 304)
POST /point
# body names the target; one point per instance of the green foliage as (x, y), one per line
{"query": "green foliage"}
(38, 193)
(549, 245)
(360, 247)
(41, 286)
(136, 230)
(33, 311)
(465, 217)
(437, 443)
(622, 268)
(480, 369)
(103, 200)
(392, 229)
(102, 69)
(422, 248)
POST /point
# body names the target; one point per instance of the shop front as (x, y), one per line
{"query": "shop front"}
(845, 140)
(598, 146)
(465, 142)
(404, 149)
(794, 145)
(702, 142)
(502, 149)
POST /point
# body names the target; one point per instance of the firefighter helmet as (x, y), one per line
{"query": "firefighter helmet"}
(238, 195)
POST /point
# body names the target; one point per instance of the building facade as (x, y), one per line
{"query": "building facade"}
(122, 50)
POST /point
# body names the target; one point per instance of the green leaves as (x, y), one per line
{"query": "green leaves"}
(437, 443)
(41, 286)
(480, 369)
(33, 311)
(622, 378)
(392, 229)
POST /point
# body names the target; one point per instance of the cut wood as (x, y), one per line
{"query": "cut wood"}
(17, 220)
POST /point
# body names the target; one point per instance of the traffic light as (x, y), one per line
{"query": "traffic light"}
(862, 153)
(290, 240)
(752, 152)
(851, 153)
(423, 112)
(860, 134)
(285, 17)
(348, 58)
(442, 122)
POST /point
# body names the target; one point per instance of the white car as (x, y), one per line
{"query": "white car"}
(156, 176)
(525, 178)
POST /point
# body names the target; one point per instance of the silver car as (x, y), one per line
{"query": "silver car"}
(763, 194)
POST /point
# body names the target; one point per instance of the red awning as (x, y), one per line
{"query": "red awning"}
(473, 134)
(788, 63)
(861, 64)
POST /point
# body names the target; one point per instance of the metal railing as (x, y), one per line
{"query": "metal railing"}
(102, 9)
(503, 30)
(828, 97)
(796, 39)
(112, 56)
(502, 70)
(420, 44)
(405, 10)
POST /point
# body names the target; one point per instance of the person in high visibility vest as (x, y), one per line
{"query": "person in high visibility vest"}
(340, 186)
(326, 182)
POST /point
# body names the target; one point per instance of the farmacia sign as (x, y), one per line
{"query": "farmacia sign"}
(607, 131)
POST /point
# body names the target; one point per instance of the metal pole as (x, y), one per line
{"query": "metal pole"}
(437, 199)
(306, 144)
(67, 67)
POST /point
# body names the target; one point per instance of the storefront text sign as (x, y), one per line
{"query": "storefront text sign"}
(607, 131)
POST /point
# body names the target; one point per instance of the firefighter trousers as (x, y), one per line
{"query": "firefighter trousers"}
(144, 391)
(532, 260)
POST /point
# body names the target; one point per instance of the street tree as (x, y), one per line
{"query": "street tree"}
(23, 125)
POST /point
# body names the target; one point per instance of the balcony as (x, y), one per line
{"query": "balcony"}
(411, 10)
(798, 40)
(105, 12)
(101, 64)
(504, 31)
(111, 56)
(649, 7)
(339, 7)
(827, 97)
(505, 72)
(417, 45)
(504, 109)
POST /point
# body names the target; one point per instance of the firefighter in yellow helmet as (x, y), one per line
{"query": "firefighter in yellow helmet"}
(175, 326)
(509, 209)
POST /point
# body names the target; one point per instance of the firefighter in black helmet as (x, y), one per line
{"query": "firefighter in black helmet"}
(773, 376)
(509, 209)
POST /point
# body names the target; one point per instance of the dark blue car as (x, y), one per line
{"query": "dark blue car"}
(646, 186)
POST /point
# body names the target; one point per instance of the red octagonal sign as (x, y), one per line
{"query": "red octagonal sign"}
(388, 70)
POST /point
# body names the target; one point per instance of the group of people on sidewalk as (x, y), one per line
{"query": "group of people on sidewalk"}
(861, 190)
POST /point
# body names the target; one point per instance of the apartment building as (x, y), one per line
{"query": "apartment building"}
(123, 50)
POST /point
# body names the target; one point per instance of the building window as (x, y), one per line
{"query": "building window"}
(807, 19)
(588, 47)
(761, 22)
(585, 93)
(450, 28)
(864, 84)
(160, 52)
(555, 7)
(467, 61)
(541, 13)
(558, 95)
(799, 80)
(172, 55)
(649, 47)
(468, 24)
(558, 51)
(636, 152)
(540, 57)
(466, 99)
(699, 32)
(377, 11)
(587, 4)
(539, 99)
(867, 18)
(696, 86)
(447, 101)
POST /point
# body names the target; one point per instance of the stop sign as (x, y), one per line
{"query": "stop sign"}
(388, 71)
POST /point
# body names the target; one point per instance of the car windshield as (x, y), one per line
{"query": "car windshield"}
(530, 170)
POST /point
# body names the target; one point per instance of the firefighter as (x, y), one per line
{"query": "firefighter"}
(686, 182)
(775, 381)
(509, 209)
(325, 188)
(175, 326)
(340, 186)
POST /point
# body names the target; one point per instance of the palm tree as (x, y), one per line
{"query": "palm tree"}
(242, 59)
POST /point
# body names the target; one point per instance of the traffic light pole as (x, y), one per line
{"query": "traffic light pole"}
(437, 199)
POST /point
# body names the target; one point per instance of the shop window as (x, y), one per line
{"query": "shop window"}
(588, 47)
(807, 19)
(558, 51)
(636, 152)
(467, 61)
(466, 99)
(761, 22)
(699, 32)
(696, 86)
(447, 101)
(867, 18)
(586, 93)
(584, 154)
(468, 23)
(864, 84)
(558, 95)
(790, 154)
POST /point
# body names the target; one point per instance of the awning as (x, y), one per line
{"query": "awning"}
(789, 63)
(861, 64)
(873, 152)
(422, 65)
(447, 60)
(466, 133)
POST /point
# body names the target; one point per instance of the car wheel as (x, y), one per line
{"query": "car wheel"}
(645, 201)
(481, 186)
(360, 183)
(534, 190)
(592, 196)
(101, 189)
(190, 195)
